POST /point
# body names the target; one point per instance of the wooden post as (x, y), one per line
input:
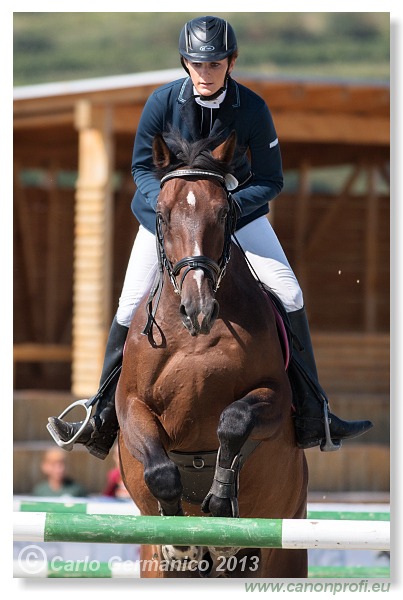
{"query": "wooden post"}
(92, 249)
(371, 252)
(302, 220)
(54, 224)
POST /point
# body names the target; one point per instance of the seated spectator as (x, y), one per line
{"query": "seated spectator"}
(57, 483)
(115, 487)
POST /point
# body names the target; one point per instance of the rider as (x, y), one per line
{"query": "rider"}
(209, 102)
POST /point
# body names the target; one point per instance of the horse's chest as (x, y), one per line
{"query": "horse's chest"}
(188, 387)
(196, 373)
(196, 382)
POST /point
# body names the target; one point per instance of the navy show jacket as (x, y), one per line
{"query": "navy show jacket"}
(172, 105)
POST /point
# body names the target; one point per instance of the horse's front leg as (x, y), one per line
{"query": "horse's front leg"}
(144, 440)
(258, 413)
(143, 437)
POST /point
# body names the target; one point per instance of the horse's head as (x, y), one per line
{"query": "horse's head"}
(195, 217)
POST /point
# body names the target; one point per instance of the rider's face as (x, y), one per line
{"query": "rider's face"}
(208, 77)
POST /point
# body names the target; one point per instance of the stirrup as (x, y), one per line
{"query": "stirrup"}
(328, 445)
(70, 443)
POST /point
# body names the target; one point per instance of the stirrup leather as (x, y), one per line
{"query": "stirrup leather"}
(328, 445)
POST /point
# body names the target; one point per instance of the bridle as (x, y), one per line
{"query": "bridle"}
(215, 271)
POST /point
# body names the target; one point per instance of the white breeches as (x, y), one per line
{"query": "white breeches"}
(260, 244)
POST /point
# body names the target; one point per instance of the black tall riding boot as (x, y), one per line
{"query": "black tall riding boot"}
(101, 430)
(314, 423)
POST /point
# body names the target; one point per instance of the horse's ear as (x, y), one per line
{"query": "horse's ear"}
(161, 152)
(225, 151)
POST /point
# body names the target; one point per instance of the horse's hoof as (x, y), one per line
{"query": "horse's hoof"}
(182, 557)
(229, 551)
(217, 562)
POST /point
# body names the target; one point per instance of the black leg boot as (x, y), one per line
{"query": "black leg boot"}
(314, 423)
(100, 432)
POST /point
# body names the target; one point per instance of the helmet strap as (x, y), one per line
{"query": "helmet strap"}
(217, 93)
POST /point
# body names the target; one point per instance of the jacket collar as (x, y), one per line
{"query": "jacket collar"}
(224, 122)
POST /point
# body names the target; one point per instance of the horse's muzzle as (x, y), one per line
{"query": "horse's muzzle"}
(199, 318)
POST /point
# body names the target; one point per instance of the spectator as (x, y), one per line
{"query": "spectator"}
(57, 483)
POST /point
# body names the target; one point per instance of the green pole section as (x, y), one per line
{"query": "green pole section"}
(54, 507)
(182, 531)
(333, 572)
(349, 515)
(74, 570)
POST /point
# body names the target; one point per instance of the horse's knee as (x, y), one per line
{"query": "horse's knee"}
(236, 422)
(164, 481)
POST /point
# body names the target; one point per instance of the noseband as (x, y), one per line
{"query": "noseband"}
(214, 270)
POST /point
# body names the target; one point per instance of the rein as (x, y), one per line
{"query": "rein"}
(215, 271)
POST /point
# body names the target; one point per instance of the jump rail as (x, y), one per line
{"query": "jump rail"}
(130, 569)
(88, 508)
(128, 508)
(202, 531)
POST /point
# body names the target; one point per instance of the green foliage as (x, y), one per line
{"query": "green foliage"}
(66, 46)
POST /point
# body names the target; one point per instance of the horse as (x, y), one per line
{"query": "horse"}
(203, 389)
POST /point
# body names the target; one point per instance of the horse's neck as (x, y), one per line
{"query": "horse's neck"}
(238, 274)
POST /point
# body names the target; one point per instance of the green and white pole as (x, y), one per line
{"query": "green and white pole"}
(85, 508)
(342, 512)
(202, 531)
(79, 569)
(94, 569)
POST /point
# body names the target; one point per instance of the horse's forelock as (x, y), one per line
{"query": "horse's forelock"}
(195, 155)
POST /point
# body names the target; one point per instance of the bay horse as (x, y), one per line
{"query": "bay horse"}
(203, 389)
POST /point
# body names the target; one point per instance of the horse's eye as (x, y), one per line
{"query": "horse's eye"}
(223, 214)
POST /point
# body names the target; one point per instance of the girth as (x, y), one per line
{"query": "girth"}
(197, 470)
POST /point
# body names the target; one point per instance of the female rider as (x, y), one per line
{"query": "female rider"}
(208, 102)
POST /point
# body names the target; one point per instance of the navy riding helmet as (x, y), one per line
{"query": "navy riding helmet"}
(207, 39)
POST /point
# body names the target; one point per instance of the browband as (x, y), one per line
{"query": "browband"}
(192, 173)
